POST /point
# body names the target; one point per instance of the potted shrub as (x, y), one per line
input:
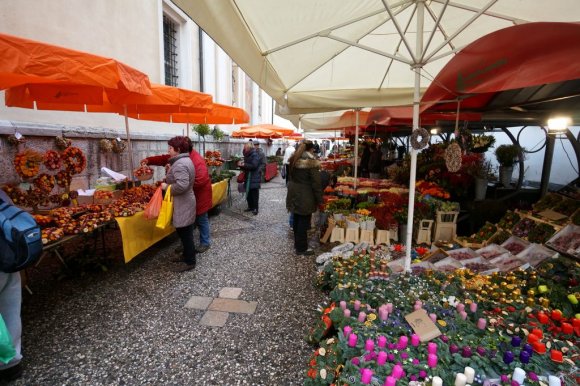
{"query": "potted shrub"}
(481, 170)
(506, 157)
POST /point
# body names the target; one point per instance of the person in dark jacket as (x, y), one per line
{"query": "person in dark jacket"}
(375, 162)
(364, 160)
(251, 167)
(304, 193)
(202, 190)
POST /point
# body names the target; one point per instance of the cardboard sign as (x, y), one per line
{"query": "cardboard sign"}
(324, 239)
(422, 325)
(552, 215)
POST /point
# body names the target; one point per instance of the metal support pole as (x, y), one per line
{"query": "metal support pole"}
(547, 165)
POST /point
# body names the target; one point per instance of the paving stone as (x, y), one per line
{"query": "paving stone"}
(198, 302)
(233, 305)
(214, 318)
(230, 292)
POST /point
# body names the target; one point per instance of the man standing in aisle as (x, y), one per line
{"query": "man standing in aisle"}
(287, 154)
(10, 302)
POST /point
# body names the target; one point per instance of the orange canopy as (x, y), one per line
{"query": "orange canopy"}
(24, 61)
(217, 114)
(163, 99)
(256, 133)
(277, 129)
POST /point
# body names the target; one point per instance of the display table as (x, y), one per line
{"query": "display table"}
(271, 171)
(219, 192)
(138, 233)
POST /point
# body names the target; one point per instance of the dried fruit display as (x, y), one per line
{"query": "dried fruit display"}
(213, 158)
(143, 173)
(479, 267)
(567, 241)
(514, 247)
(52, 160)
(508, 220)
(44, 182)
(523, 227)
(50, 235)
(500, 237)
(461, 254)
(27, 163)
(491, 251)
(42, 220)
(540, 233)
(18, 196)
(567, 206)
(63, 178)
(485, 232)
(74, 160)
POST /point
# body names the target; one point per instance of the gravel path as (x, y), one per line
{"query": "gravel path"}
(129, 326)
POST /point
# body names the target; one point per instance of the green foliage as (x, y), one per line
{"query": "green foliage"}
(506, 154)
(217, 133)
(202, 130)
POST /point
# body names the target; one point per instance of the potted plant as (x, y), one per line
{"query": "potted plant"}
(480, 170)
(506, 157)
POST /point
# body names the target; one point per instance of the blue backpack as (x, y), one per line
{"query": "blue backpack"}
(20, 238)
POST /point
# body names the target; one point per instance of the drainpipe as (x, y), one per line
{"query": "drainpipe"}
(200, 38)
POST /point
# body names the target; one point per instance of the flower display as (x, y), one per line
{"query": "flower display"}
(27, 163)
(213, 158)
(491, 325)
(74, 160)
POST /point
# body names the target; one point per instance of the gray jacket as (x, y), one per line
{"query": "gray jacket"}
(181, 176)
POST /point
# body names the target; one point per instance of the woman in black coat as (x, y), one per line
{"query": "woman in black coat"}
(251, 167)
(304, 193)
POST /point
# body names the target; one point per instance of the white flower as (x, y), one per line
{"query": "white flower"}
(322, 351)
(323, 373)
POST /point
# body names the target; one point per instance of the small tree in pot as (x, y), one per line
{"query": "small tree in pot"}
(506, 157)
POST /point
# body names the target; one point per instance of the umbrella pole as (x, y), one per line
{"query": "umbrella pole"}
(356, 149)
(416, 101)
(131, 168)
(187, 125)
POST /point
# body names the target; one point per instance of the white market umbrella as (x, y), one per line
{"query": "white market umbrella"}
(323, 55)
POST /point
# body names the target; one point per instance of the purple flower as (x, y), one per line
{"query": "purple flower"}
(392, 346)
(415, 361)
(466, 352)
(422, 373)
(445, 338)
(481, 351)
(413, 377)
(453, 349)
(391, 357)
(368, 357)
(533, 376)
(504, 378)
(515, 383)
(355, 361)
(404, 355)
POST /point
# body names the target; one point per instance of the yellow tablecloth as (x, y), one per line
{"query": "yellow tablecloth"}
(138, 233)
(219, 192)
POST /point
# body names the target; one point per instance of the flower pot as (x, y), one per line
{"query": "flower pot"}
(352, 224)
(480, 188)
(505, 175)
(338, 216)
(370, 225)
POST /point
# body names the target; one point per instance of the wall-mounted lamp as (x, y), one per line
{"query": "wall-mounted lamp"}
(558, 124)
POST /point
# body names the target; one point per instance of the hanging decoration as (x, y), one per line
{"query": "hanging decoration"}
(62, 142)
(74, 160)
(105, 145)
(44, 183)
(63, 178)
(27, 163)
(419, 138)
(453, 157)
(52, 160)
(119, 145)
(16, 139)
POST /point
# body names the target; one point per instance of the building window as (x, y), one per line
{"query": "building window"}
(170, 48)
